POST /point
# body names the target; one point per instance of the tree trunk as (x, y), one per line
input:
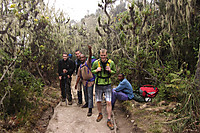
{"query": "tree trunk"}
(197, 74)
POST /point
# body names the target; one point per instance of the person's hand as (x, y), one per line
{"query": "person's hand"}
(65, 71)
(60, 77)
(75, 86)
(98, 69)
(89, 47)
(108, 68)
(68, 76)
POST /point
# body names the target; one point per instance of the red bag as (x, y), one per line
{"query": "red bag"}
(148, 91)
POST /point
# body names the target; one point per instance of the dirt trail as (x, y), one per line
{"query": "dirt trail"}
(131, 118)
(74, 119)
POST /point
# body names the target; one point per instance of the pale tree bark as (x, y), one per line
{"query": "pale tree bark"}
(144, 3)
(197, 74)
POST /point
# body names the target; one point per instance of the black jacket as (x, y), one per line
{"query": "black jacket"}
(68, 65)
(78, 63)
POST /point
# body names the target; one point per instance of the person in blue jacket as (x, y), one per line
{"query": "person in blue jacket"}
(123, 91)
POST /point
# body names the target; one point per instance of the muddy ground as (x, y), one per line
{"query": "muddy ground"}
(128, 117)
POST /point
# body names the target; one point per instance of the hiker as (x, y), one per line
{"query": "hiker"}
(65, 70)
(79, 90)
(123, 91)
(84, 73)
(70, 56)
(103, 68)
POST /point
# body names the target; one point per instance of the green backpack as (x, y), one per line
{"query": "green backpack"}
(137, 97)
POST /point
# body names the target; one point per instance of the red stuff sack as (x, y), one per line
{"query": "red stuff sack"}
(148, 91)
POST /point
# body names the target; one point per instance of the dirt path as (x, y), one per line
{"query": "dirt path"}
(137, 119)
(73, 119)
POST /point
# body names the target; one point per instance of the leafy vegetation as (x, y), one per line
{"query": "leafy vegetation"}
(157, 43)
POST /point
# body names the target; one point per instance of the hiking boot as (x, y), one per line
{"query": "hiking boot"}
(85, 106)
(110, 125)
(100, 116)
(70, 103)
(89, 114)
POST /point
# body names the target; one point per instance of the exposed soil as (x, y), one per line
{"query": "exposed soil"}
(128, 117)
(134, 117)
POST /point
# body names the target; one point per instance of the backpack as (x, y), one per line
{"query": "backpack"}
(93, 60)
(99, 74)
(108, 62)
(148, 91)
(85, 72)
(145, 93)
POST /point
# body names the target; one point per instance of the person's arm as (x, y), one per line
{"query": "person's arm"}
(94, 67)
(78, 78)
(71, 67)
(112, 67)
(90, 55)
(121, 86)
(60, 68)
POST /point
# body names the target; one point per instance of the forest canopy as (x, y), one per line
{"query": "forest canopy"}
(156, 41)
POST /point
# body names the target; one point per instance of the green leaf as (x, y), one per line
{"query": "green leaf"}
(175, 80)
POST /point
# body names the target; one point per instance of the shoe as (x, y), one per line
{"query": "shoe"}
(89, 114)
(100, 116)
(78, 104)
(110, 125)
(70, 103)
(85, 106)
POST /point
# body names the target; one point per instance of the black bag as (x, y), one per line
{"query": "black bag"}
(137, 97)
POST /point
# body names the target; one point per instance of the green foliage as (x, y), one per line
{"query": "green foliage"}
(24, 86)
(150, 45)
(17, 100)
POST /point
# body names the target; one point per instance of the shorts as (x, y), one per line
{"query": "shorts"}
(99, 90)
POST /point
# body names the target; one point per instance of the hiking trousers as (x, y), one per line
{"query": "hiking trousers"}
(65, 85)
(79, 90)
(88, 93)
(118, 95)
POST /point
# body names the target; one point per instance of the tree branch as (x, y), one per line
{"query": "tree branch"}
(37, 66)
(8, 68)
(174, 121)
(5, 31)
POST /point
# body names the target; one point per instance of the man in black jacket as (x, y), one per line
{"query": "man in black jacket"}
(65, 70)
(79, 90)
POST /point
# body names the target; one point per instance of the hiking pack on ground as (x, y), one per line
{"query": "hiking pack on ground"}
(145, 93)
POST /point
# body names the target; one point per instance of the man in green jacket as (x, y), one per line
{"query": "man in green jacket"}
(104, 68)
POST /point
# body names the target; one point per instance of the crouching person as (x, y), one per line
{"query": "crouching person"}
(123, 91)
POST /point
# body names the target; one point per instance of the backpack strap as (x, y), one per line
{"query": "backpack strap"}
(100, 65)
(89, 69)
